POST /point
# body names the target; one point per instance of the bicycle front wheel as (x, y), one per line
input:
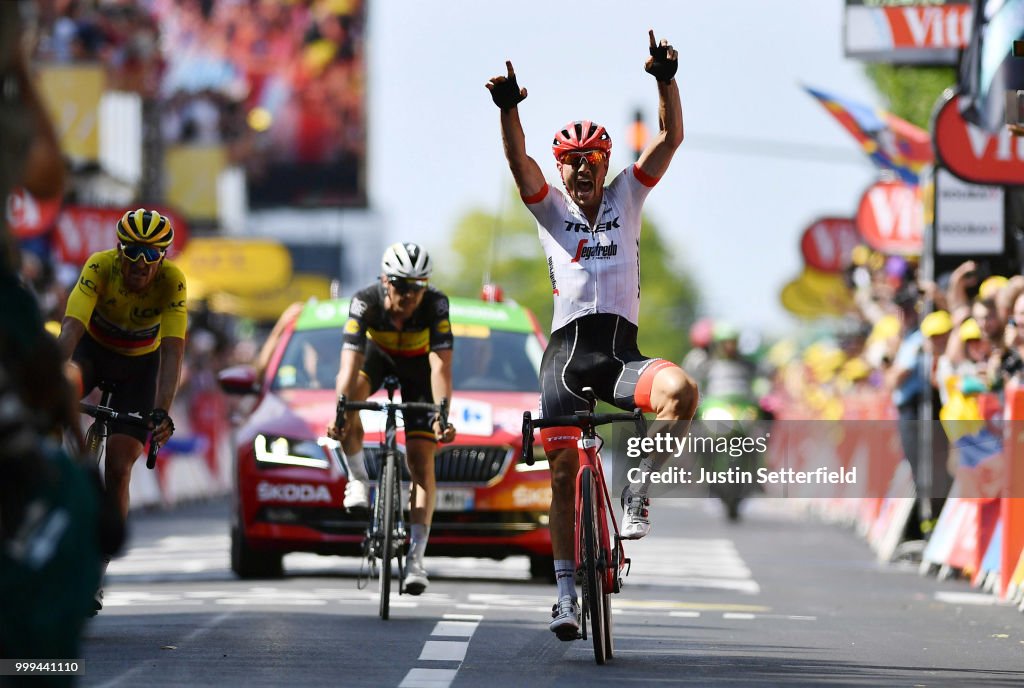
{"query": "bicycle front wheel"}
(388, 500)
(593, 569)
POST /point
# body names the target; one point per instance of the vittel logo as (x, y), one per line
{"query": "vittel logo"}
(290, 492)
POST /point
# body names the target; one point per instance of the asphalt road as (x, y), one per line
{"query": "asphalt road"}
(772, 601)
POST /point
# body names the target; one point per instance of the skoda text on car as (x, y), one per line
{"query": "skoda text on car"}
(290, 479)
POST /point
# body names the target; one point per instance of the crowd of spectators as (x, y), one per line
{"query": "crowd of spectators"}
(279, 83)
(953, 344)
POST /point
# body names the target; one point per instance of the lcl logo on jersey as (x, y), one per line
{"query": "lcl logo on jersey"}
(584, 252)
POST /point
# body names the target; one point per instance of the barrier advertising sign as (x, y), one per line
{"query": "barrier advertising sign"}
(890, 217)
(907, 31)
(968, 217)
(974, 154)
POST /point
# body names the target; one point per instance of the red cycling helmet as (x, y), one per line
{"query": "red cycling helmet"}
(581, 135)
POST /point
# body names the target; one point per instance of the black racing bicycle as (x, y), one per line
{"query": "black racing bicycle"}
(103, 415)
(386, 535)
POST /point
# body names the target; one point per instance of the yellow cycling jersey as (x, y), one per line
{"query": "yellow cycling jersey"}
(126, 322)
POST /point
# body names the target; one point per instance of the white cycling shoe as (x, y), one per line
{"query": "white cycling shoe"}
(357, 496)
(415, 578)
(636, 518)
(565, 616)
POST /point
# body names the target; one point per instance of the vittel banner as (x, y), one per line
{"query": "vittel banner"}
(972, 153)
(907, 31)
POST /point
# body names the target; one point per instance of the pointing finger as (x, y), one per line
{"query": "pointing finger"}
(654, 43)
(511, 72)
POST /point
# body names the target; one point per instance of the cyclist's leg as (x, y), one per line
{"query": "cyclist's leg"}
(421, 445)
(357, 496)
(560, 447)
(135, 393)
(653, 385)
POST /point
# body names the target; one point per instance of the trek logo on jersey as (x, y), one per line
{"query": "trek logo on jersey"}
(571, 226)
(584, 252)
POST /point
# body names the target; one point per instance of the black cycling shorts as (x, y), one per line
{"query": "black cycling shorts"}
(414, 379)
(597, 351)
(133, 377)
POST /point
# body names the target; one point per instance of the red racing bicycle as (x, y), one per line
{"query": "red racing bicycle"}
(600, 557)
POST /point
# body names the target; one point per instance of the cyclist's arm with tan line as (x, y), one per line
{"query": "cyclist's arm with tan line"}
(507, 95)
(655, 159)
(441, 387)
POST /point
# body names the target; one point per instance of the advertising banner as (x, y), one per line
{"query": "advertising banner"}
(83, 230)
(28, 216)
(828, 243)
(890, 217)
(72, 95)
(969, 218)
(907, 31)
(975, 154)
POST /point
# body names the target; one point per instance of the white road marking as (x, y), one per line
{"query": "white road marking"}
(455, 629)
(428, 678)
(685, 615)
(976, 598)
(735, 615)
(444, 651)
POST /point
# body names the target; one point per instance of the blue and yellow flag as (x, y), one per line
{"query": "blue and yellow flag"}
(891, 143)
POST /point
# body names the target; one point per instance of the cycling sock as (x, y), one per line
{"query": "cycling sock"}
(357, 467)
(565, 576)
(419, 534)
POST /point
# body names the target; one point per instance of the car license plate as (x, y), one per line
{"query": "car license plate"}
(454, 499)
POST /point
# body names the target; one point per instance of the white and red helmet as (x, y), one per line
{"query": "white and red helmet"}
(581, 135)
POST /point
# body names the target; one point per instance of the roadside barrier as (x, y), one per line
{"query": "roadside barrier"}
(979, 534)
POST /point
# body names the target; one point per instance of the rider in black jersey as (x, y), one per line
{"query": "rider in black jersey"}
(399, 327)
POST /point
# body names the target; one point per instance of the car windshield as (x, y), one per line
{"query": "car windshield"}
(484, 360)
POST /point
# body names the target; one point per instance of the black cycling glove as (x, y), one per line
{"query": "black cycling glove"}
(663, 68)
(505, 94)
(157, 416)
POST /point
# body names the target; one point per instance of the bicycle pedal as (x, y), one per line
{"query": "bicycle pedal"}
(568, 636)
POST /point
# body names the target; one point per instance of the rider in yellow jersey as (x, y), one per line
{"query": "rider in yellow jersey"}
(125, 323)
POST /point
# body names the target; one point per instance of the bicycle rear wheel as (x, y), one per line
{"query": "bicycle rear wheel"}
(387, 524)
(593, 571)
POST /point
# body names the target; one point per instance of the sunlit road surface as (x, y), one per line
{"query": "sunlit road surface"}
(772, 601)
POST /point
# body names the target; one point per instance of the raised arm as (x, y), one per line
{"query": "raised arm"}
(662, 66)
(507, 95)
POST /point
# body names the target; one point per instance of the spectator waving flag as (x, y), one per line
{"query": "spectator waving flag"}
(891, 143)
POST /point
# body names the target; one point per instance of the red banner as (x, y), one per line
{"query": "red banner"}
(828, 243)
(28, 216)
(83, 230)
(974, 154)
(891, 218)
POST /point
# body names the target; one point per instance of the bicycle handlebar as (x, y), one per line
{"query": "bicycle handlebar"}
(107, 414)
(344, 405)
(585, 420)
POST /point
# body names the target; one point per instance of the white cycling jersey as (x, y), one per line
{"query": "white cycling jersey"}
(593, 269)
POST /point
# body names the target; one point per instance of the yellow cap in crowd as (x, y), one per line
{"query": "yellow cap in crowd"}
(969, 330)
(935, 324)
(991, 286)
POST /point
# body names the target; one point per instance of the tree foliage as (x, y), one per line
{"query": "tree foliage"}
(505, 248)
(911, 92)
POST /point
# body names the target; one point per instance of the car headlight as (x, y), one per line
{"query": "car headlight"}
(289, 452)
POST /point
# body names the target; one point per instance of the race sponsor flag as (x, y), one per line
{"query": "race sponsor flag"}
(892, 143)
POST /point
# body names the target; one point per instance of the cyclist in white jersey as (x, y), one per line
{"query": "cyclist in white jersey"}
(591, 237)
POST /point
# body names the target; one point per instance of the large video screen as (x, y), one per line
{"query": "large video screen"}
(275, 86)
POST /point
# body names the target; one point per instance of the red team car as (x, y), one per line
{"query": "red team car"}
(290, 479)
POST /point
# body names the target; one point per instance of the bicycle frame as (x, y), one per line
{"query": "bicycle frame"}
(612, 558)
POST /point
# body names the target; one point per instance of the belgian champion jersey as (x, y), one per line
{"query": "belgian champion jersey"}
(426, 330)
